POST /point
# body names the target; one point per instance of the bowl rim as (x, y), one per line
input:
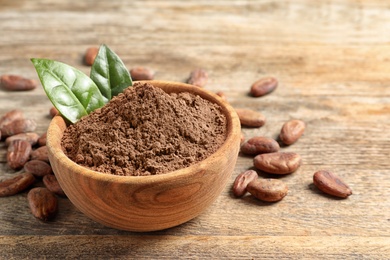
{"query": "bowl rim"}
(58, 124)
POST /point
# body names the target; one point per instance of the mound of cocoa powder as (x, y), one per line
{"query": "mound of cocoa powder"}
(145, 131)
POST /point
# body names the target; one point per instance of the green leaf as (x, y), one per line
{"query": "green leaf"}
(72, 92)
(109, 73)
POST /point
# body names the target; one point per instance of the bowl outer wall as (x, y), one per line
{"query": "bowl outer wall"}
(148, 203)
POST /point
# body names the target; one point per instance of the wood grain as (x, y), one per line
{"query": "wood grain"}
(332, 59)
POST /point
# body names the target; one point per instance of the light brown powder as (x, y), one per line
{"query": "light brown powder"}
(145, 131)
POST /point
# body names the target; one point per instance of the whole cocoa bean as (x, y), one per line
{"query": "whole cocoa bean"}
(38, 168)
(263, 86)
(52, 184)
(40, 153)
(53, 112)
(292, 131)
(42, 139)
(141, 73)
(10, 116)
(90, 55)
(18, 154)
(32, 138)
(259, 144)
(18, 126)
(43, 203)
(221, 95)
(278, 163)
(198, 77)
(250, 117)
(242, 180)
(16, 184)
(270, 190)
(17, 83)
(331, 184)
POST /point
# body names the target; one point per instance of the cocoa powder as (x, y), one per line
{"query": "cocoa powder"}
(145, 131)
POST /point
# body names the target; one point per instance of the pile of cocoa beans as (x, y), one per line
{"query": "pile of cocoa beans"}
(27, 156)
(269, 159)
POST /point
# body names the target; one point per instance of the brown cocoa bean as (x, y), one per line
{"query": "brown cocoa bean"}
(292, 131)
(10, 116)
(51, 183)
(242, 180)
(198, 77)
(43, 203)
(221, 95)
(259, 144)
(263, 86)
(18, 154)
(17, 83)
(331, 184)
(18, 126)
(38, 168)
(32, 138)
(90, 55)
(40, 153)
(270, 190)
(278, 162)
(250, 118)
(42, 139)
(16, 184)
(141, 73)
(53, 112)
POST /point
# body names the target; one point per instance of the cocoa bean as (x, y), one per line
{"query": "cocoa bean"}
(250, 118)
(18, 126)
(38, 168)
(263, 86)
(242, 180)
(90, 55)
(32, 138)
(18, 154)
(42, 139)
(292, 131)
(270, 190)
(40, 153)
(278, 162)
(51, 183)
(16, 184)
(198, 77)
(10, 116)
(331, 184)
(141, 73)
(17, 83)
(259, 144)
(221, 95)
(43, 203)
(53, 112)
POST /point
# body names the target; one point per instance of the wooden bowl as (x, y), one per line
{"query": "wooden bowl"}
(148, 203)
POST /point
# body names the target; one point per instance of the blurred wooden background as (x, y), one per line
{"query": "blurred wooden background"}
(332, 59)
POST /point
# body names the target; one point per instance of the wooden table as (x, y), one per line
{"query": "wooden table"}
(332, 59)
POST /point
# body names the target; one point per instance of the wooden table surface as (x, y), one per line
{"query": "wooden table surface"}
(332, 59)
